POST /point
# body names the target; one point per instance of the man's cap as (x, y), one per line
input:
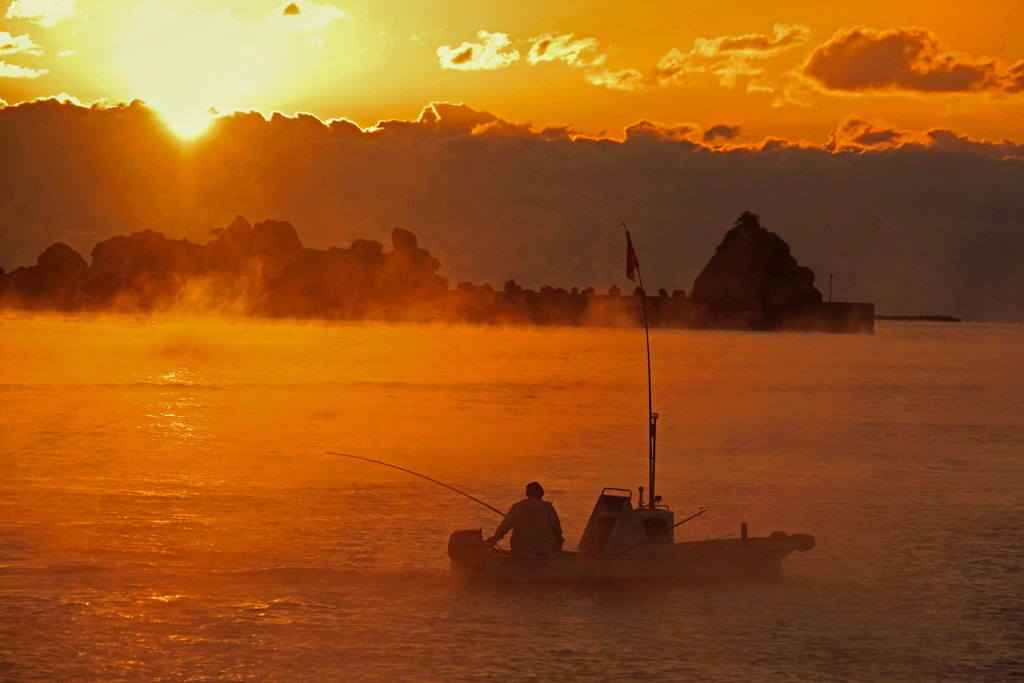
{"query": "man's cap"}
(534, 489)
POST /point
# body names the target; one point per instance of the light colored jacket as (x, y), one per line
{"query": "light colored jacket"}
(535, 528)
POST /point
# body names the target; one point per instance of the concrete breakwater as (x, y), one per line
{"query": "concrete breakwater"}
(560, 307)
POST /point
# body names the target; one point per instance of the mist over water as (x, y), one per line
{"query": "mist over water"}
(169, 511)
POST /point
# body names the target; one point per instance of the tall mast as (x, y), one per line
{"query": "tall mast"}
(633, 264)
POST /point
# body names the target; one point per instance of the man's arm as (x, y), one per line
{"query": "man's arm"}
(505, 526)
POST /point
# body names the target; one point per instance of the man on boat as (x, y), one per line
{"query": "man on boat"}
(534, 524)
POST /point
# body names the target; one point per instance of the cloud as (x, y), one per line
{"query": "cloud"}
(916, 221)
(497, 50)
(651, 130)
(65, 98)
(302, 16)
(724, 58)
(854, 134)
(18, 45)
(15, 71)
(909, 60)
(680, 132)
(623, 79)
(552, 47)
(46, 13)
(721, 131)
(13, 45)
(454, 118)
(784, 36)
(728, 58)
(494, 51)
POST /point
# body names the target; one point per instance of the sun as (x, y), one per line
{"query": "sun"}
(185, 68)
(185, 121)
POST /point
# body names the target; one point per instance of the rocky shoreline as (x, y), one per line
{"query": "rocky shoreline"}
(752, 282)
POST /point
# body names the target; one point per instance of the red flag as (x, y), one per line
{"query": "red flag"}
(631, 261)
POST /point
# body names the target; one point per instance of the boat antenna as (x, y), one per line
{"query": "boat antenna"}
(633, 266)
(421, 476)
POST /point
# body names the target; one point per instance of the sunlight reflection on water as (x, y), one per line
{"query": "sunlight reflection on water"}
(170, 510)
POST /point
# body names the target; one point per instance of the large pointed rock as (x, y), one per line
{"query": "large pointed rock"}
(753, 275)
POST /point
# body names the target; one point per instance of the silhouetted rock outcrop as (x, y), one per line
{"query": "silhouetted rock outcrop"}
(262, 269)
(752, 279)
(751, 282)
(52, 283)
(143, 270)
(61, 261)
(413, 266)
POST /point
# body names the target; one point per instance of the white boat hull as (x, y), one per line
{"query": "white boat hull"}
(722, 558)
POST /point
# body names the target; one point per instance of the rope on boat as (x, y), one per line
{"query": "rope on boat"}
(421, 476)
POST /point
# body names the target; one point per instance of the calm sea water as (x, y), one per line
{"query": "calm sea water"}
(169, 509)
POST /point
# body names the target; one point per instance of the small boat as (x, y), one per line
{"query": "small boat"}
(623, 541)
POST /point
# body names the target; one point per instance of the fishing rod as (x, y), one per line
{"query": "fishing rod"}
(421, 476)
(639, 543)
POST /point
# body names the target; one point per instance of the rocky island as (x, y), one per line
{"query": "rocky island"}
(752, 282)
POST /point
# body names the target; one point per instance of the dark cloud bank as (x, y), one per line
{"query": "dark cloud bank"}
(918, 223)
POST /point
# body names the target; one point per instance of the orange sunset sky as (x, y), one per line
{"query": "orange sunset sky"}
(790, 69)
(882, 139)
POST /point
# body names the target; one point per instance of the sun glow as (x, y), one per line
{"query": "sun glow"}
(185, 121)
(183, 64)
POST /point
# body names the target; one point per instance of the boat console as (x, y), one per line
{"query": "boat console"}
(615, 526)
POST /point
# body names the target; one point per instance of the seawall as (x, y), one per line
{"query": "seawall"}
(559, 307)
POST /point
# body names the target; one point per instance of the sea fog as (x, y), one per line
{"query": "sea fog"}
(169, 509)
